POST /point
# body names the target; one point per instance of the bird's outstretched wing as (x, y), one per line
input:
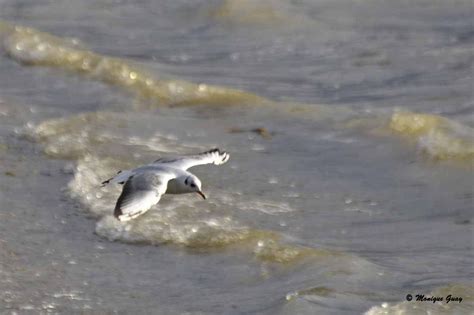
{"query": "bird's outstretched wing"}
(120, 178)
(214, 156)
(140, 193)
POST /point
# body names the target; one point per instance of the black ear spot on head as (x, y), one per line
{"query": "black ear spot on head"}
(186, 181)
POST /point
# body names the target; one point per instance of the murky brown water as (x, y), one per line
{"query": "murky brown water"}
(350, 131)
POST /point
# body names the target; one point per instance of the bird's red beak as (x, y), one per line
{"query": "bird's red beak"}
(201, 194)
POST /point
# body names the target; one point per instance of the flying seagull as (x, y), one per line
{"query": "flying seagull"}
(145, 185)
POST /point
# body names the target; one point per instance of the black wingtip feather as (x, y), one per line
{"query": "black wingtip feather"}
(214, 151)
(117, 212)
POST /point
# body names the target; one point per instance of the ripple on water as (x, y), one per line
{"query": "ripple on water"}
(437, 136)
(98, 133)
(33, 47)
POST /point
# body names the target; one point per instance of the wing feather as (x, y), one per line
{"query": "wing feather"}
(214, 156)
(139, 194)
(120, 178)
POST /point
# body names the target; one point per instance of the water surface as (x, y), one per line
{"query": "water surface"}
(358, 192)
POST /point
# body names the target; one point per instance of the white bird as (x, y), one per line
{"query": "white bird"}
(145, 185)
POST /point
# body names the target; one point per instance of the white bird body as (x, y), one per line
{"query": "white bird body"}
(144, 185)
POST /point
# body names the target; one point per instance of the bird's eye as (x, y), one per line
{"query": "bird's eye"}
(193, 185)
(186, 181)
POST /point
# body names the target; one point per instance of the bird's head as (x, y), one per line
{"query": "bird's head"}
(193, 184)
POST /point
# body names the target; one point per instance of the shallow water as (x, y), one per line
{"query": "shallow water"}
(358, 191)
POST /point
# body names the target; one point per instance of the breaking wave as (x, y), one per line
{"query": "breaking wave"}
(98, 148)
(438, 137)
(33, 47)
